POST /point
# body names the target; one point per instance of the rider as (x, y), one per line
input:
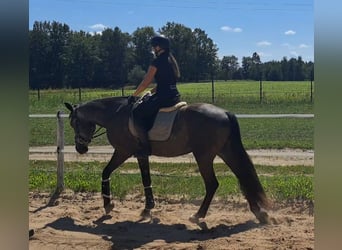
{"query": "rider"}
(164, 69)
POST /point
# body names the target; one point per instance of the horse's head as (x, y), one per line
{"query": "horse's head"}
(83, 128)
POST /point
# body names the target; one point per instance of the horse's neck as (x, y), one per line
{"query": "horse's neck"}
(101, 112)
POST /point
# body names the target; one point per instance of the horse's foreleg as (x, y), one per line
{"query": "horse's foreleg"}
(146, 180)
(107, 205)
(116, 160)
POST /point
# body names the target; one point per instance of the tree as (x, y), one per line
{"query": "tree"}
(256, 69)
(252, 67)
(205, 55)
(272, 71)
(230, 66)
(136, 75)
(38, 55)
(182, 41)
(59, 57)
(285, 69)
(299, 70)
(246, 66)
(59, 37)
(113, 52)
(48, 42)
(142, 46)
(81, 59)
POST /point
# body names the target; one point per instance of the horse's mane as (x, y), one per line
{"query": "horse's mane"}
(110, 104)
(111, 101)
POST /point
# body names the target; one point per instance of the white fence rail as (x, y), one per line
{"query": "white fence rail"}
(60, 135)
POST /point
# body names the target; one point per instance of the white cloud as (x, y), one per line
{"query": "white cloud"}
(98, 27)
(229, 29)
(294, 53)
(303, 46)
(290, 32)
(93, 33)
(264, 43)
(264, 55)
(237, 30)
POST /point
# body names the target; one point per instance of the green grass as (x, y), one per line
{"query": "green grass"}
(277, 133)
(172, 180)
(240, 97)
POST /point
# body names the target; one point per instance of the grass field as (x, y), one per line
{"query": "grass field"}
(240, 97)
(236, 96)
(170, 180)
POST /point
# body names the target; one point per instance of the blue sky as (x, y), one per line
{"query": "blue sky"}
(272, 28)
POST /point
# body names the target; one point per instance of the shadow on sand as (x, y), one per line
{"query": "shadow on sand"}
(145, 232)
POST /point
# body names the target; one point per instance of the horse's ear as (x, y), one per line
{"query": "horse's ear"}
(69, 106)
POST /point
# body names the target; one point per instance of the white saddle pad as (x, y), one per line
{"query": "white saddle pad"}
(163, 123)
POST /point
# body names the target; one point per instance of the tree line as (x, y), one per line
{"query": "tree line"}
(62, 58)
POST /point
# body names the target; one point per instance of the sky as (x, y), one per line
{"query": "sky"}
(273, 28)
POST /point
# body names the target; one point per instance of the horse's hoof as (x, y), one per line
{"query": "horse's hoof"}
(146, 214)
(263, 217)
(201, 223)
(194, 218)
(108, 208)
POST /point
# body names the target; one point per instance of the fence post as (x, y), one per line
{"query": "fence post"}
(79, 94)
(60, 152)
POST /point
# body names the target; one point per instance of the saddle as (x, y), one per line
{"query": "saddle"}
(162, 125)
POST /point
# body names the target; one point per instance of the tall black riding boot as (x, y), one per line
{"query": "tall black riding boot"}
(144, 143)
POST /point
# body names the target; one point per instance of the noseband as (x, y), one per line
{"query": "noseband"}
(81, 140)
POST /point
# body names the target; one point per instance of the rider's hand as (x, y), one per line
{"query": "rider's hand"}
(131, 99)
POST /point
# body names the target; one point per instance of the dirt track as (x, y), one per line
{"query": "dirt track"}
(77, 220)
(282, 157)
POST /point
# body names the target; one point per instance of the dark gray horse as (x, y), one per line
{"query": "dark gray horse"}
(203, 129)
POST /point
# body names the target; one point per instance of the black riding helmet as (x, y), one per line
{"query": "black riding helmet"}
(161, 41)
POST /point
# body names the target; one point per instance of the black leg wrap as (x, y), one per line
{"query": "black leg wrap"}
(149, 203)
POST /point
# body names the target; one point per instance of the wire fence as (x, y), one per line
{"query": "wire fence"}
(210, 92)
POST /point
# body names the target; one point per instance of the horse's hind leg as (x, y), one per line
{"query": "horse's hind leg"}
(241, 165)
(205, 164)
(146, 179)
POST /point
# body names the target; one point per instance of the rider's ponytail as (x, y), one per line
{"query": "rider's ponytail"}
(174, 64)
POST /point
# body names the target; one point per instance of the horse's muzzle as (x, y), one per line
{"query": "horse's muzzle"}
(82, 149)
(81, 144)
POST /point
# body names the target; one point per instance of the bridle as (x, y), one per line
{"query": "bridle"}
(95, 135)
(81, 140)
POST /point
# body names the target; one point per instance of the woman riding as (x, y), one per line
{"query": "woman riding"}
(164, 69)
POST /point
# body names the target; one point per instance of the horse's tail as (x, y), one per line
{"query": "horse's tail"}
(242, 166)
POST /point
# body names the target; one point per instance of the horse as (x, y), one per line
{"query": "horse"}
(202, 129)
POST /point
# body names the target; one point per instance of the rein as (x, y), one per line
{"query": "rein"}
(95, 135)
